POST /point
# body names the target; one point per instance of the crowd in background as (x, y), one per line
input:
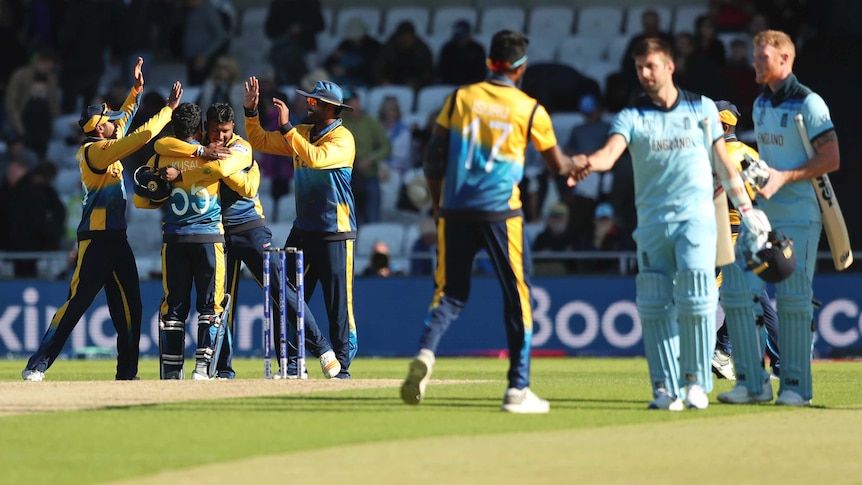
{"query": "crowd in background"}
(58, 55)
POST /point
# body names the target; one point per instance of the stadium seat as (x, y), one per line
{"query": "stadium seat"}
(543, 48)
(395, 15)
(495, 19)
(579, 50)
(65, 126)
(563, 122)
(444, 17)
(389, 191)
(369, 15)
(436, 42)
(280, 231)
(328, 17)
(599, 72)
(431, 98)
(599, 21)
(617, 48)
(374, 98)
(551, 21)
(686, 15)
(392, 233)
(633, 18)
(326, 43)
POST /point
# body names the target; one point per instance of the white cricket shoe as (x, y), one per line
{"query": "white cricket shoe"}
(740, 395)
(201, 372)
(524, 401)
(32, 375)
(791, 398)
(722, 366)
(696, 398)
(418, 373)
(666, 402)
(329, 364)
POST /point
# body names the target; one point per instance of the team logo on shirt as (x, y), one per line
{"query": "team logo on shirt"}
(784, 120)
(667, 144)
(686, 123)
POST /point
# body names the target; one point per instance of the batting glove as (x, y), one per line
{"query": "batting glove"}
(754, 172)
(756, 225)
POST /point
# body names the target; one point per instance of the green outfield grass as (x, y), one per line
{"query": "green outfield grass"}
(598, 431)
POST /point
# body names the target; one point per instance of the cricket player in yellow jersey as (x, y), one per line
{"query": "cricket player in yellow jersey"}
(105, 259)
(474, 163)
(323, 151)
(193, 248)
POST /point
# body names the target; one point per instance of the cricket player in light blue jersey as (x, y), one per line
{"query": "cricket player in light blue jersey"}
(676, 234)
(791, 203)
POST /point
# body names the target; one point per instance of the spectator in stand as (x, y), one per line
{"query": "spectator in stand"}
(606, 236)
(351, 63)
(683, 51)
(404, 59)
(225, 85)
(278, 168)
(204, 40)
(557, 236)
(784, 15)
(400, 136)
(15, 53)
(462, 59)
(731, 15)
(424, 250)
(292, 26)
(707, 43)
(583, 197)
(32, 102)
(15, 150)
(379, 263)
(82, 50)
(372, 148)
(740, 76)
(31, 213)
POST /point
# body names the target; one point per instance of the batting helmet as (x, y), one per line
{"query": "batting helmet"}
(149, 185)
(775, 260)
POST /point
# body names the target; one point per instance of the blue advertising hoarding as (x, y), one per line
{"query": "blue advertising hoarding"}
(572, 315)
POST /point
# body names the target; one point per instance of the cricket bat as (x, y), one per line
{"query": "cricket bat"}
(833, 219)
(724, 251)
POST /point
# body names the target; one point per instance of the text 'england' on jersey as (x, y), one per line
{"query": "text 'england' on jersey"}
(487, 144)
(672, 170)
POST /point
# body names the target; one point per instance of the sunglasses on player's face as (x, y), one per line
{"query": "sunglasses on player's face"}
(311, 101)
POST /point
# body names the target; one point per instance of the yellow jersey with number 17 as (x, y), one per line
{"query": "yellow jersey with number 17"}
(489, 124)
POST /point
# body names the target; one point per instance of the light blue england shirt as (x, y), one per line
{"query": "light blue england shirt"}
(780, 145)
(672, 171)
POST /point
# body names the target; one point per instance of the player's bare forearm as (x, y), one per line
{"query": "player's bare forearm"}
(826, 159)
(271, 142)
(606, 157)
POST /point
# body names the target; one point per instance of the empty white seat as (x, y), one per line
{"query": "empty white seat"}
(551, 21)
(599, 21)
(543, 48)
(431, 98)
(633, 18)
(369, 15)
(685, 16)
(392, 233)
(616, 49)
(499, 18)
(580, 50)
(599, 72)
(563, 122)
(418, 15)
(375, 96)
(444, 17)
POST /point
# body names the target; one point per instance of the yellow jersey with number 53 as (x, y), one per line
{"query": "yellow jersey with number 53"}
(489, 125)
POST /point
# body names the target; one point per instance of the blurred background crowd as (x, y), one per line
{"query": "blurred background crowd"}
(397, 65)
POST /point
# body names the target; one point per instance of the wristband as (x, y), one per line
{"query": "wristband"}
(250, 113)
(200, 151)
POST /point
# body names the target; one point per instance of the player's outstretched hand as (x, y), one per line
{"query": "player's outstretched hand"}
(138, 74)
(215, 152)
(175, 96)
(283, 111)
(252, 93)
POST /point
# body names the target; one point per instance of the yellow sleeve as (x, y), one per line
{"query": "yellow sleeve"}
(542, 132)
(171, 146)
(101, 154)
(213, 170)
(338, 151)
(128, 106)
(245, 183)
(143, 202)
(265, 141)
